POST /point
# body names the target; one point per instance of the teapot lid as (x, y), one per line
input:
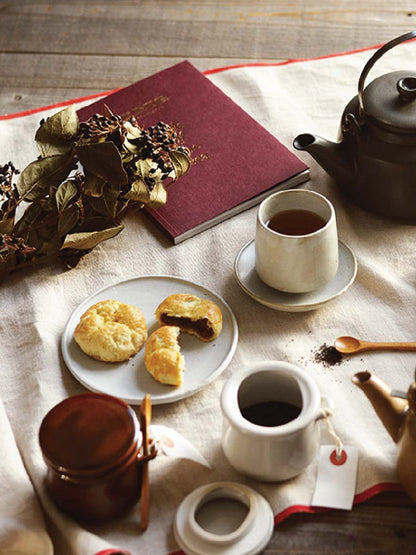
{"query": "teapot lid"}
(390, 101)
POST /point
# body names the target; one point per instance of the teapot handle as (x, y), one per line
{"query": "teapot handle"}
(376, 56)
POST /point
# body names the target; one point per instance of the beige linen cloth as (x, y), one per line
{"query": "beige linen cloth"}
(307, 96)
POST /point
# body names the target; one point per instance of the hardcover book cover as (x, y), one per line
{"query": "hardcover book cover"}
(236, 161)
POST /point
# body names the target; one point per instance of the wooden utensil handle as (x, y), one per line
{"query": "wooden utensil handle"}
(398, 346)
(144, 503)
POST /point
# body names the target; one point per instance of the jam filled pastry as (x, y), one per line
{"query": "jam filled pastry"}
(200, 317)
(162, 356)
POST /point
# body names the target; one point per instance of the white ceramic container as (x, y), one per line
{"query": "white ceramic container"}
(296, 263)
(271, 453)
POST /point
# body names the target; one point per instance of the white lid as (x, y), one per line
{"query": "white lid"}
(223, 518)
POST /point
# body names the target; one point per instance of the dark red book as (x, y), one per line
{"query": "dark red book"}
(238, 162)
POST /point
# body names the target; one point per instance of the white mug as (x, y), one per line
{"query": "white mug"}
(271, 453)
(296, 263)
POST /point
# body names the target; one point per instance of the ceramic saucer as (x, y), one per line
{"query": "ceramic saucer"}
(246, 275)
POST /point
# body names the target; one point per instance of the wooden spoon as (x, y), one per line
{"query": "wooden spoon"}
(349, 345)
(145, 417)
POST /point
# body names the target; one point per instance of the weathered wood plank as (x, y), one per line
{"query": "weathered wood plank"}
(273, 11)
(91, 72)
(32, 80)
(375, 530)
(273, 30)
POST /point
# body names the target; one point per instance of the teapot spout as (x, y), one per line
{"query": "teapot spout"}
(391, 410)
(333, 157)
(406, 459)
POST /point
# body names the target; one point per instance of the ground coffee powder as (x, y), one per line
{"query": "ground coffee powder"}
(328, 355)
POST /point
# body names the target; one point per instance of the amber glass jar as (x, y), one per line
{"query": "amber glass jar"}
(91, 444)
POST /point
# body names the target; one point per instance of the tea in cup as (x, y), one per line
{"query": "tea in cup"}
(270, 414)
(296, 242)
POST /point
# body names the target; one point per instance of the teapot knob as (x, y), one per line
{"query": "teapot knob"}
(407, 88)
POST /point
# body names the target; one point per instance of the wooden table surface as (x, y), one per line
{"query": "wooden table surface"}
(62, 49)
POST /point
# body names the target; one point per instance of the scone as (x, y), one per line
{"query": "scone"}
(162, 356)
(200, 317)
(111, 331)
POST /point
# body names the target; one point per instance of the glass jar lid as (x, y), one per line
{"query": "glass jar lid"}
(244, 527)
(88, 431)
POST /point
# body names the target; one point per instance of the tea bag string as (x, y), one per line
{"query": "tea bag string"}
(153, 451)
(326, 415)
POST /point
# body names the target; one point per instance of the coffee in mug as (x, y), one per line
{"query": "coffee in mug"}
(296, 243)
(270, 413)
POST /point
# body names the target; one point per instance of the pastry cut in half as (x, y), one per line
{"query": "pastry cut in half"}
(111, 331)
(193, 315)
(162, 356)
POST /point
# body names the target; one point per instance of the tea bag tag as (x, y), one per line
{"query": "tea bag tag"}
(337, 473)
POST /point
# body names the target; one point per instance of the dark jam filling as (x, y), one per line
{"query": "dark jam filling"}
(201, 326)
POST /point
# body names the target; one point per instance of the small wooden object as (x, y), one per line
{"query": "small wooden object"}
(145, 417)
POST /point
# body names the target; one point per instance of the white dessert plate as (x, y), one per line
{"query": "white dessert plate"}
(130, 380)
(246, 275)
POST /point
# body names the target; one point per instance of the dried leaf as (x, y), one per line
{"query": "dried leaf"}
(127, 157)
(95, 223)
(106, 204)
(37, 177)
(68, 219)
(29, 217)
(46, 247)
(50, 150)
(34, 240)
(133, 149)
(7, 217)
(56, 134)
(93, 185)
(133, 132)
(139, 192)
(104, 161)
(180, 161)
(66, 192)
(158, 196)
(89, 239)
(6, 225)
(47, 232)
(144, 166)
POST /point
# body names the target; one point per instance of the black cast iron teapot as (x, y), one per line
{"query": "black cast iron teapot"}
(374, 162)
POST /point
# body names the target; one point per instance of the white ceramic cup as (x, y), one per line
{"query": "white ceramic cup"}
(275, 453)
(296, 263)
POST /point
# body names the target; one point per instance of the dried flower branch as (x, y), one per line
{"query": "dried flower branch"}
(79, 188)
